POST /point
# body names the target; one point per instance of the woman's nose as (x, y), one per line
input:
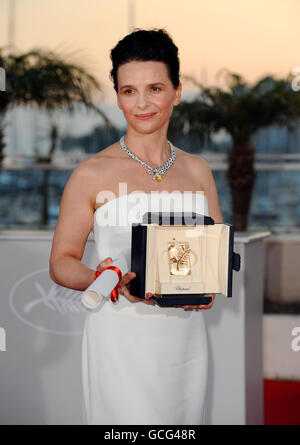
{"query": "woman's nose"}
(142, 100)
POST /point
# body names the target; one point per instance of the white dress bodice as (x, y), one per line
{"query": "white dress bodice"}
(142, 364)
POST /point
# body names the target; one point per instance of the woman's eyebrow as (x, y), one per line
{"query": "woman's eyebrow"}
(150, 84)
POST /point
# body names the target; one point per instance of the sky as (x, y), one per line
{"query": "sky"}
(251, 37)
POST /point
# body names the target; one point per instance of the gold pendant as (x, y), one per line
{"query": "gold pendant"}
(159, 176)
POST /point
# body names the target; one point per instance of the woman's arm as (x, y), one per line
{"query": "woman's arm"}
(74, 224)
(211, 192)
(204, 172)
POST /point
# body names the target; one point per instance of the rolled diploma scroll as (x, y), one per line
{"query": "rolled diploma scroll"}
(101, 288)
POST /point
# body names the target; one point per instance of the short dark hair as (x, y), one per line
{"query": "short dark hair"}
(146, 45)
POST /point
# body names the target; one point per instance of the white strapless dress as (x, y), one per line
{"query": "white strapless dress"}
(142, 364)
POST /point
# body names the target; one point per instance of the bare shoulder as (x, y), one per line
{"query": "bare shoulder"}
(201, 169)
(195, 164)
(87, 175)
(92, 165)
(191, 158)
(197, 161)
(110, 152)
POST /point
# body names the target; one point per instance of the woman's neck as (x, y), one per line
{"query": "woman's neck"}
(151, 148)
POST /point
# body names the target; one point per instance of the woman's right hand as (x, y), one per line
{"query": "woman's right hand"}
(124, 284)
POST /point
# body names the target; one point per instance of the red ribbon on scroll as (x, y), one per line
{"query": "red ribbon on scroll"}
(114, 296)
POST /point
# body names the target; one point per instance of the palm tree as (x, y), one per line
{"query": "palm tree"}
(48, 81)
(241, 110)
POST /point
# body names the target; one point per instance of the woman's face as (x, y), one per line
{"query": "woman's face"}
(144, 88)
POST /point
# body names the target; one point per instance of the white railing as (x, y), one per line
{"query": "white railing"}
(217, 161)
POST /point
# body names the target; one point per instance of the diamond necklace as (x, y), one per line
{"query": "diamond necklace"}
(156, 172)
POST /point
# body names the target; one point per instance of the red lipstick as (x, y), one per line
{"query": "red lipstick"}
(144, 116)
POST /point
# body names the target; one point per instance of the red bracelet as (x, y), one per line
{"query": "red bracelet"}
(114, 296)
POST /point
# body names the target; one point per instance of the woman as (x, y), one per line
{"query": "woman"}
(141, 364)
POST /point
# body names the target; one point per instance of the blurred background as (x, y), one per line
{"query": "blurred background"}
(240, 110)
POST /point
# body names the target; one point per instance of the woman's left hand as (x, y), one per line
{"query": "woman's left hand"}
(193, 306)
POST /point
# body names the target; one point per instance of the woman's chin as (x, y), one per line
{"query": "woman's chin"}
(146, 129)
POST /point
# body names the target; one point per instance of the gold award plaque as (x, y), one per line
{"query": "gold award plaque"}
(179, 257)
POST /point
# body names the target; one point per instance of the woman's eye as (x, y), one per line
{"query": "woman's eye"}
(130, 91)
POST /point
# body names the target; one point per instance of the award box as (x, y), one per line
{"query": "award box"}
(181, 256)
